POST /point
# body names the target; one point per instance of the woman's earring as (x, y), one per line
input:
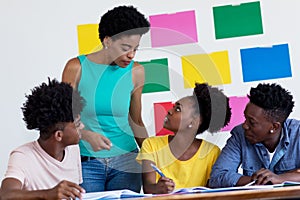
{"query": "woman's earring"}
(272, 131)
(105, 47)
(190, 126)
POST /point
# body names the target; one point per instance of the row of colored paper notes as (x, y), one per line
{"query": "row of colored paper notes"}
(181, 27)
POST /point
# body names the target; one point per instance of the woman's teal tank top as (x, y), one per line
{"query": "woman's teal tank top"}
(107, 92)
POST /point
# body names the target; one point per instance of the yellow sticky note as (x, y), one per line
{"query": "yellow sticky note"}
(88, 38)
(213, 69)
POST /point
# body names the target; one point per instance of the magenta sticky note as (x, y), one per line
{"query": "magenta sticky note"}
(173, 29)
(160, 112)
(237, 105)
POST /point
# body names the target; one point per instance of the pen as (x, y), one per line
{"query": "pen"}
(251, 183)
(157, 170)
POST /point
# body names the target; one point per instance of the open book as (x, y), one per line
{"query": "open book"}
(123, 194)
(190, 190)
(251, 187)
(115, 194)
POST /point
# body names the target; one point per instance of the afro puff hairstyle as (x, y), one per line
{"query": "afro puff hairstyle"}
(276, 101)
(49, 105)
(213, 107)
(122, 20)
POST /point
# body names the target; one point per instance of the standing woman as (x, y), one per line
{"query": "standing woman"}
(111, 83)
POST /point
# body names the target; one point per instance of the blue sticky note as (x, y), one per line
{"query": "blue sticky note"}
(263, 63)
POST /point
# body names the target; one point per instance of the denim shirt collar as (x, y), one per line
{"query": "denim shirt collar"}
(286, 137)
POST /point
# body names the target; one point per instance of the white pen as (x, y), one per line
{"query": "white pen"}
(251, 183)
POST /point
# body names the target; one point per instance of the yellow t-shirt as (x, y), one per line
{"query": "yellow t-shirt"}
(189, 173)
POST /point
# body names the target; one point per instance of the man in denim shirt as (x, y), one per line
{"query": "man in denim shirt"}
(266, 145)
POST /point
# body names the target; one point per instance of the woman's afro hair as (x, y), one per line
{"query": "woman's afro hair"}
(122, 20)
(213, 107)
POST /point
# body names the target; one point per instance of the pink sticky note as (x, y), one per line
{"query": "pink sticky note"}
(173, 29)
(160, 111)
(237, 105)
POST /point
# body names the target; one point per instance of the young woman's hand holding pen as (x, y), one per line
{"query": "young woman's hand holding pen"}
(164, 185)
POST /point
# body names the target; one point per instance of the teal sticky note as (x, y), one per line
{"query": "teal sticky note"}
(156, 75)
(237, 20)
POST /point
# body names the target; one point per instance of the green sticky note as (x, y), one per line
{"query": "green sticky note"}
(156, 75)
(237, 20)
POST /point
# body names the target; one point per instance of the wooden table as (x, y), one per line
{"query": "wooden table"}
(288, 192)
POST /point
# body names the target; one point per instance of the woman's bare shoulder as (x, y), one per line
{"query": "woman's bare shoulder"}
(72, 72)
(73, 64)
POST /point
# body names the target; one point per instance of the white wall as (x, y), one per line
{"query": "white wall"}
(38, 37)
